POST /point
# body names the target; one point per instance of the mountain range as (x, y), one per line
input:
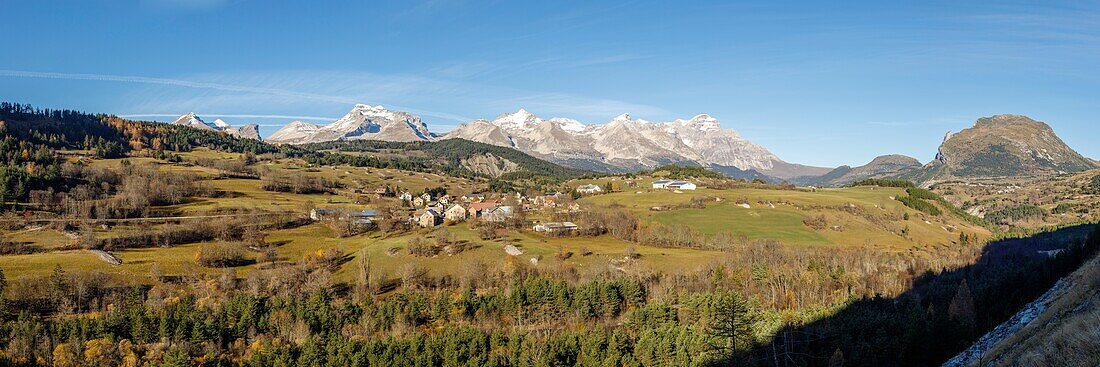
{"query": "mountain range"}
(995, 147)
(623, 144)
(250, 131)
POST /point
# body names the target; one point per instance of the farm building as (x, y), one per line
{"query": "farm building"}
(471, 198)
(673, 185)
(589, 189)
(365, 217)
(325, 213)
(428, 218)
(456, 213)
(498, 213)
(680, 185)
(478, 208)
(555, 227)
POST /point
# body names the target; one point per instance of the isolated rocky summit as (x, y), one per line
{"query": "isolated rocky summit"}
(1003, 146)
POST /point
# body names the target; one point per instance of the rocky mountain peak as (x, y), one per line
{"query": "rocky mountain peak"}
(1005, 146)
(193, 120)
(701, 122)
(626, 143)
(568, 124)
(517, 120)
(361, 122)
(250, 131)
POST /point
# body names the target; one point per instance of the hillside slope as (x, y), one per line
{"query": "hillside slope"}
(882, 166)
(454, 154)
(1058, 329)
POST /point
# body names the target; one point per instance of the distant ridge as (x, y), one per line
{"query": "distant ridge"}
(250, 131)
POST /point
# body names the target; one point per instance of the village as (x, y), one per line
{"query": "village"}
(435, 207)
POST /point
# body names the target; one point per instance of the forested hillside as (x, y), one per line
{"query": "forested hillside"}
(451, 153)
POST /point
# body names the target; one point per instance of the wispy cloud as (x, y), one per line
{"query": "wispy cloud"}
(185, 4)
(280, 94)
(170, 82)
(238, 88)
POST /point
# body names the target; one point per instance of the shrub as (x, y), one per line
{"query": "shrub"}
(819, 222)
(1008, 215)
(1093, 186)
(323, 258)
(923, 194)
(420, 246)
(1063, 208)
(884, 182)
(220, 254)
(918, 204)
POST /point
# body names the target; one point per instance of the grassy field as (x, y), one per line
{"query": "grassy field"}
(873, 219)
(294, 244)
(866, 216)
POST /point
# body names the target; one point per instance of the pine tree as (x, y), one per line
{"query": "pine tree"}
(731, 324)
(961, 309)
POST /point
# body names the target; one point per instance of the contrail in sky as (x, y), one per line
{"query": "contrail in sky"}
(141, 115)
(205, 85)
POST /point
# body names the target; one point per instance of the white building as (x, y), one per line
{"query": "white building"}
(589, 189)
(680, 185)
(673, 185)
(555, 227)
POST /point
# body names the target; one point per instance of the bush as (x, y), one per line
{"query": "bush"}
(884, 182)
(1008, 215)
(819, 222)
(420, 246)
(923, 194)
(323, 258)
(1063, 208)
(220, 254)
(1093, 187)
(918, 204)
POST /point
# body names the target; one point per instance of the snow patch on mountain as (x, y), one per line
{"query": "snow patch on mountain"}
(363, 122)
(251, 131)
(624, 142)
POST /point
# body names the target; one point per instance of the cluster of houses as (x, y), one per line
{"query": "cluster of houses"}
(432, 211)
(673, 185)
(427, 210)
(436, 212)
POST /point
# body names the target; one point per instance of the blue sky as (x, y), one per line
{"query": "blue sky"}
(814, 82)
